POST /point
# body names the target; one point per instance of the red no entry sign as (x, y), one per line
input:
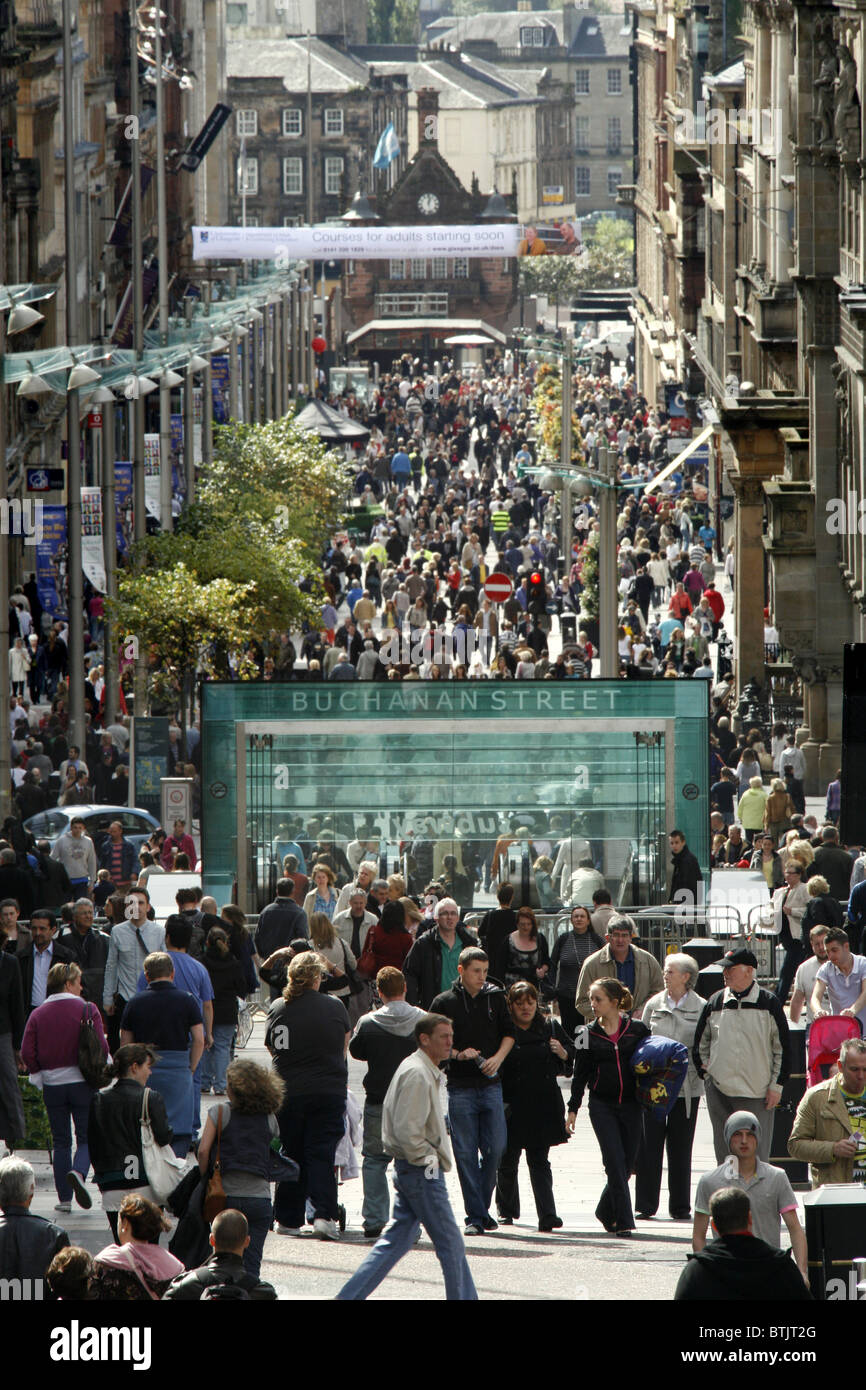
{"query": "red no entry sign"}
(499, 587)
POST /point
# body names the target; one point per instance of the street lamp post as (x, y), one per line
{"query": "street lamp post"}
(608, 592)
(162, 254)
(74, 571)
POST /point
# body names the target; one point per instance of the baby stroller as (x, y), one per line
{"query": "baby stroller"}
(826, 1037)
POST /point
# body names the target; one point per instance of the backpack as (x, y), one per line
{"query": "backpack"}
(228, 1290)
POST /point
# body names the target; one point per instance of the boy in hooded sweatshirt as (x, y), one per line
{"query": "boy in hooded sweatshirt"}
(383, 1040)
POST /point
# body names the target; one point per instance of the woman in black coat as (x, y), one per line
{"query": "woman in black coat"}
(569, 952)
(533, 1106)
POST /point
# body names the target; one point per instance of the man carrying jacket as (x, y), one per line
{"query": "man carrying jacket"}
(415, 1132)
(383, 1040)
(431, 965)
(638, 970)
(741, 1051)
(483, 1037)
(829, 1130)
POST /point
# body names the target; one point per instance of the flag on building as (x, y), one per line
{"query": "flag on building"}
(388, 147)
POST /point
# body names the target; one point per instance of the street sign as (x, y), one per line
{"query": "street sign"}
(498, 587)
(94, 420)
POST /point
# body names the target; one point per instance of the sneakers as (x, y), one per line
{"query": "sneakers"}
(490, 1224)
(282, 1230)
(326, 1230)
(63, 1206)
(373, 1232)
(79, 1191)
(470, 1229)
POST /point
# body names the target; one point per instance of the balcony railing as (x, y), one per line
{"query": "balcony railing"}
(421, 305)
(625, 195)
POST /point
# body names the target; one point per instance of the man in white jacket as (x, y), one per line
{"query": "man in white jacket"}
(414, 1131)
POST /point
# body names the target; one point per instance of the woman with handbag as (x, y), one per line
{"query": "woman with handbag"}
(327, 941)
(235, 1148)
(228, 980)
(136, 1269)
(114, 1132)
(535, 1114)
(62, 1035)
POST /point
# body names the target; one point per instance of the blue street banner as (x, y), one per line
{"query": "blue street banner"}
(219, 368)
(51, 562)
(123, 504)
(176, 422)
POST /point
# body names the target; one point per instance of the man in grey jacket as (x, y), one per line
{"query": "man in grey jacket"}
(414, 1131)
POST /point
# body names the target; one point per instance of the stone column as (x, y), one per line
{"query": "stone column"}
(749, 582)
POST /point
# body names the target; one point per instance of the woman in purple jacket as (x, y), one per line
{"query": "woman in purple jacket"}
(50, 1051)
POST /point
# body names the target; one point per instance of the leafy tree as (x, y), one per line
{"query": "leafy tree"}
(607, 260)
(558, 278)
(392, 21)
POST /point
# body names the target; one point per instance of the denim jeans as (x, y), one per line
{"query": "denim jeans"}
(215, 1059)
(617, 1129)
(311, 1127)
(259, 1212)
(419, 1201)
(478, 1134)
(376, 1210)
(68, 1104)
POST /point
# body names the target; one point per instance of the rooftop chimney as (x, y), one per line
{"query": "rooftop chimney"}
(428, 117)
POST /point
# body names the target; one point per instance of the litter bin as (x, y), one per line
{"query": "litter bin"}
(835, 1237)
(568, 627)
(786, 1111)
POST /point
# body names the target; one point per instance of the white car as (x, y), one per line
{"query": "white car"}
(618, 340)
(162, 888)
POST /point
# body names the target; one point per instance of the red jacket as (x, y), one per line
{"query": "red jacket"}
(383, 948)
(716, 602)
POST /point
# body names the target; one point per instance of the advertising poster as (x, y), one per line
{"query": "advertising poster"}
(92, 554)
(219, 368)
(353, 243)
(123, 504)
(51, 562)
(151, 474)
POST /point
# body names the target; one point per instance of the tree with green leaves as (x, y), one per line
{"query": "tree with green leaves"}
(607, 260)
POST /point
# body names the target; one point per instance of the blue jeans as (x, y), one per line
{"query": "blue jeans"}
(259, 1212)
(311, 1127)
(617, 1129)
(419, 1200)
(68, 1104)
(477, 1121)
(216, 1059)
(376, 1210)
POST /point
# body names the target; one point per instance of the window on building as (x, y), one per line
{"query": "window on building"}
(252, 220)
(439, 268)
(581, 181)
(293, 221)
(248, 174)
(461, 268)
(293, 175)
(247, 123)
(614, 134)
(293, 121)
(418, 269)
(334, 174)
(614, 82)
(581, 133)
(397, 270)
(581, 82)
(614, 179)
(333, 120)
(531, 36)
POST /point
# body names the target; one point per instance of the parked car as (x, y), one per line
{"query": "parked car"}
(138, 825)
(619, 341)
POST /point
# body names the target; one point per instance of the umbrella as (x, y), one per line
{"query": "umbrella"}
(467, 340)
(327, 423)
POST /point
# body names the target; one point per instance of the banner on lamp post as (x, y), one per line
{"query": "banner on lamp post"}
(92, 553)
(152, 475)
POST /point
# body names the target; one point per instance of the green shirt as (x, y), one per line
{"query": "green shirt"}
(856, 1107)
(450, 957)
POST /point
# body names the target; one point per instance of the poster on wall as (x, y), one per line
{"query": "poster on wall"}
(51, 562)
(151, 474)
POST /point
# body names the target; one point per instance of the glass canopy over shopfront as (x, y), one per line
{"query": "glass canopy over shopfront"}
(559, 787)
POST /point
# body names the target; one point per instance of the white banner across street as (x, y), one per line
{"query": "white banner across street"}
(352, 243)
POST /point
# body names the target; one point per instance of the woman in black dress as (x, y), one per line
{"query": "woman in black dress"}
(534, 1107)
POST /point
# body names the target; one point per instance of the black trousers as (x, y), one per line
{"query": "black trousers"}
(617, 1129)
(795, 954)
(676, 1135)
(507, 1190)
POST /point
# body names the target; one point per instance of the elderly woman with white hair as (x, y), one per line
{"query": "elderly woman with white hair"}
(672, 1013)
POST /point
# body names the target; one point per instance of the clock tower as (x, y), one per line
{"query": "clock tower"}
(412, 302)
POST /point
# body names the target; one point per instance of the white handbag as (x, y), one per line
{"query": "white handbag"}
(163, 1169)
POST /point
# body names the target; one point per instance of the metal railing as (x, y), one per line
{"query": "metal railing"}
(393, 306)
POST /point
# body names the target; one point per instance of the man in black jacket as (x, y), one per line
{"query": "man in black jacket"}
(737, 1266)
(281, 922)
(687, 876)
(483, 1037)
(89, 948)
(28, 1243)
(432, 961)
(382, 1039)
(224, 1272)
(36, 959)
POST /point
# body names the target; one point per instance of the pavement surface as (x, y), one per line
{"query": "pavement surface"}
(579, 1262)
